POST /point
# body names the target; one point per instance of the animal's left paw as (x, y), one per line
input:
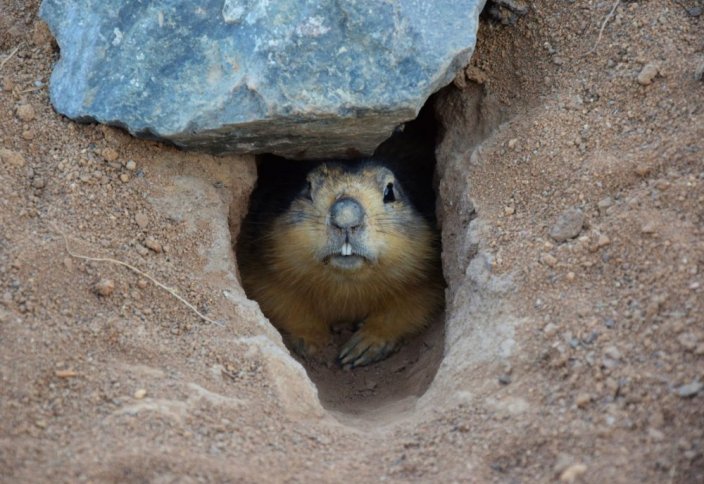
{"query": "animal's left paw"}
(364, 348)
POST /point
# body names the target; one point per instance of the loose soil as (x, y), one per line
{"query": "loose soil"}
(107, 377)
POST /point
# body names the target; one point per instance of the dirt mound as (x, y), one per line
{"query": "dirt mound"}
(579, 360)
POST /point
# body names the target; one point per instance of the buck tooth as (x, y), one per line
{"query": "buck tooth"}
(346, 249)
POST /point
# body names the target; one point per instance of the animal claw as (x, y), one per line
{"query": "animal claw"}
(363, 349)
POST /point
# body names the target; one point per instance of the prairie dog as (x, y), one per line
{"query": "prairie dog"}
(342, 243)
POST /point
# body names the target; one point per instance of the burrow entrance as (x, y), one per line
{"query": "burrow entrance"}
(391, 386)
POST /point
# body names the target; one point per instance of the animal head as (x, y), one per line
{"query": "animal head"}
(351, 221)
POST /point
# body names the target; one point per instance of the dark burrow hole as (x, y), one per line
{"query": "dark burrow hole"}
(396, 382)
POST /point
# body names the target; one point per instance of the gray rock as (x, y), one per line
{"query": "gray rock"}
(568, 225)
(690, 390)
(305, 78)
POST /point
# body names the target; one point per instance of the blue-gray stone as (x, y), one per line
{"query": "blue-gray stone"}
(298, 78)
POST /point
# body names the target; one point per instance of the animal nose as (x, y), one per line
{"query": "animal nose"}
(346, 213)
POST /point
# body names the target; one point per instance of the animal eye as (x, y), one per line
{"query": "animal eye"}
(389, 193)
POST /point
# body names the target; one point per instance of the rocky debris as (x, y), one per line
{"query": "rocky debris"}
(582, 400)
(109, 154)
(505, 379)
(25, 112)
(573, 472)
(153, 244)
(38, 182)
(298, 79)
(604, 205)
(694, 11)
(11, 157)
(649, 227)
(568, 225)
(548, 259)
(647, 74)
(550, 329)
(690, 390)
(141, 220)
(602, 241)
(104, 287)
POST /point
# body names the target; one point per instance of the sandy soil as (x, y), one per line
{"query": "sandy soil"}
(598, 375)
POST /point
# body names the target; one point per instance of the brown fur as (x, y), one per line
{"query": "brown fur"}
(396, 290)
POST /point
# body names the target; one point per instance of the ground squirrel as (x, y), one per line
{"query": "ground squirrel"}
(335, 242)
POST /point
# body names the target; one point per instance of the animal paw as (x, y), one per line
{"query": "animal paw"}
(306, 347)
(364, 348)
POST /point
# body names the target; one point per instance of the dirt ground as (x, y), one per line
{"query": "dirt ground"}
(575, 360)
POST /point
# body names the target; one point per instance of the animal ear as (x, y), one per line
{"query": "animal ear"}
(308, 190)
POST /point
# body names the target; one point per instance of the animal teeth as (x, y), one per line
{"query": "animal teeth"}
(346, 249)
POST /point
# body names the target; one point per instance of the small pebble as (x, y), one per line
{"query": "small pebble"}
(642, 169)
(110, 154)
(656, 434)
(613, 353)
(573, 472)
(131, 165)
(568, 225)
(604, 204)
(28, 134)
(562, 462)
(688, 341)
(699, 72)
(7, 84)
(548, 259)
(505, 379)
(648, 227)
(142, 283)
(550, 329)
(25, 112)
(124, 177)
(570, 276)
(603, 241)
(38, 182)
(104, 287)
(647, 74)
(141, 250)
(690, 390)
(151, 243)
(582, 400)
(512, 143)
(509, 210)
(11, 157)
(141, 219)
(140, 394)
